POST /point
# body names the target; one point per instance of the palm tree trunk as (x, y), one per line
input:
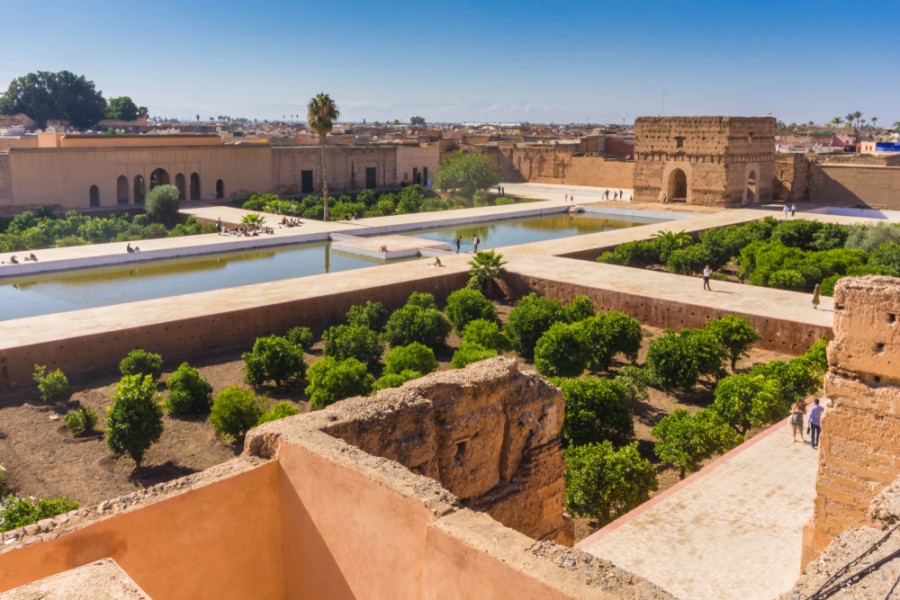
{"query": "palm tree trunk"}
(324, 182)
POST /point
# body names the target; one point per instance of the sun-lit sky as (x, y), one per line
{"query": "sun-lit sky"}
(490, 60)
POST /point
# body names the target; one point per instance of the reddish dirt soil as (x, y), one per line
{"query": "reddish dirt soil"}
(43, 458)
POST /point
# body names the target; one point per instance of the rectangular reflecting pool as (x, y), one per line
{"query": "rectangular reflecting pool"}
(86, 288)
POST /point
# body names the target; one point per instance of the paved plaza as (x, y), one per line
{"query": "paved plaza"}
(733, 530)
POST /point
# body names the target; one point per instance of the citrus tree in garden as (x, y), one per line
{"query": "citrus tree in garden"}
(465, 174)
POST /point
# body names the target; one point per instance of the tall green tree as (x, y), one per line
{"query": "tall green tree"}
(322, 112)
(465, 173)
(134, 421)
(63, 95)
(122, 108)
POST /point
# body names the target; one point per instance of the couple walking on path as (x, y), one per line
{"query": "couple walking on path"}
(814, 422)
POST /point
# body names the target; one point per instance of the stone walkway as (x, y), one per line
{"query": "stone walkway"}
(733, 530)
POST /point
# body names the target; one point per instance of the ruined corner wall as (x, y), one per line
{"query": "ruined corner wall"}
(791, 178)
(860, 447)
(489, 434)
(717, 155)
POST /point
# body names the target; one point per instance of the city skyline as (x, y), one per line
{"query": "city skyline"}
(503, 62)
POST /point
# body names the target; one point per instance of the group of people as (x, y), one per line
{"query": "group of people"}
(475, 241)
(792, 209)
(132, 249)
(14, 260)
(813, 422)
(291, 222)
(245, 231)
(620, 195)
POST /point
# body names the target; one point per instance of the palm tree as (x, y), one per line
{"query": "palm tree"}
(857, 115)
(322, 113)
(849, 119)
(485, 267)
(874, 121)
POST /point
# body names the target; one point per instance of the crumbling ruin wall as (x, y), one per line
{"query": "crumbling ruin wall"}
(860, 447)
(791, 178)
(488, 434)
(719, 156)
(564, 164)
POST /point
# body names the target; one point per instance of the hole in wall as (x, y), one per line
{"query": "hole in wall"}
(879, 348)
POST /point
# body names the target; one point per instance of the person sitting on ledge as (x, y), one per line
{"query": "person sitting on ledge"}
(437, 262)
(383, 248)
(13, 259)
(128, 248)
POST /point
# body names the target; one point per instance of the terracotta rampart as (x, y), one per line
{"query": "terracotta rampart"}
(782, 335)
(875, 186)
(323, 519)
(564, 164)
(860, 447)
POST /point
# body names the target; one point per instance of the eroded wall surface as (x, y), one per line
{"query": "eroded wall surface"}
(860, 446)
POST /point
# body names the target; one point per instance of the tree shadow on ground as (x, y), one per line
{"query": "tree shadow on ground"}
(150, 475)
(646, 413)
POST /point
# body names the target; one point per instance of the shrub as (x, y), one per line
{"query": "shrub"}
(486, 334)
(797, 378)
(484, 267)
(596, 410)
(787, 279)
(235, 411)
(470, 352)
(17, 511)
(412, 357)
(162, 203)
(635, 381)
(331, 380)
(830, 236)
(529, 319)
(423, 299)
(749, 400)
(561, 352)
(392, 380)
(415, 324)
(279, 411)
(887, 256)
(632, 254)
(669, 241)
(606, 334)
(52, 384)
(464, 306)
(141, 362)
(689, 260)
(410, 200)
(353, 341)
(685, 440)
(372, 315)
(302, 337)
(605, 483)
(677, 360)
(869, 237)
(274, 359)
(134, 421)
(579, 309)
(81, 421)
(735, 334)
(827, 286)
(796, 233)
(189, 392)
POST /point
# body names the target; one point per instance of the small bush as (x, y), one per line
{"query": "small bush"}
(331, 380)
(52, 384)
(302, 337)
(274, 359)
(189, 392)
(412, 323)
(163, 202)
(677, 360)
(605, 483)
(685, 440)
(632, 254)
(141, 362)
(607, 334)
(81, 421)
(372, 315)
(465, 306)
(579, 309)
(470, 352)
(735, 334)
(561, 352)
(279, 411)
(392, 380)
(690, 260)
(17, 511)
(423, 299)
(596, 410)
(529, 319)
(353, 341)
(486, 334)
(413, 357)
(235, 411)
(134, 421)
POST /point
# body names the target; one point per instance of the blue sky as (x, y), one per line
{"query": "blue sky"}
(553, 61)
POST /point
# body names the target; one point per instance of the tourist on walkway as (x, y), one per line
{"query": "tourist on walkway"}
(793, 209)
(786, 210)
(706, 274)
(458, 243)
(797, 411)
(475, 241)
(816, 296)
(815, 423)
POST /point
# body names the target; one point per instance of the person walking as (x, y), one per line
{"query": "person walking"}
(458, 243)
(786, 210)
(706, 274)
(816, 297)
(475, 241)
(815, 423)
(793, 209)
(798, 409)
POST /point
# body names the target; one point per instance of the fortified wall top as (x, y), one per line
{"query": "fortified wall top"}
(730, 136)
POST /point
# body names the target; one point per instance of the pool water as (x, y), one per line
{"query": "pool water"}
(86, 288)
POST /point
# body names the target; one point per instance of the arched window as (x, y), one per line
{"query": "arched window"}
(95, 196)
(220, 189)
(139, 189)
(159, 177)
(195, 186)
(122, 190)
(677, 186)
(179, 183)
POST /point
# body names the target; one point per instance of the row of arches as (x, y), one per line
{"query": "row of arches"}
(135, 191)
